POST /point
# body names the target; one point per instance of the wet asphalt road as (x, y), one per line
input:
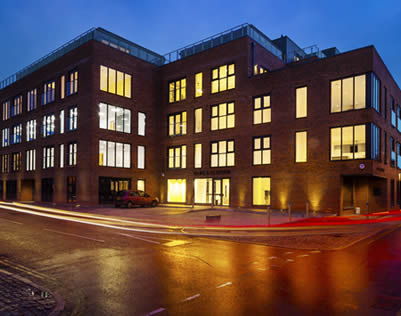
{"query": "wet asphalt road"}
(101, 271)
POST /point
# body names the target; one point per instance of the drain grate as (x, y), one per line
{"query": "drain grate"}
(388, 303)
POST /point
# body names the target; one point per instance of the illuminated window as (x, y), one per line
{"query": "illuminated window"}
(261, 190)
(348, 142)
(112, 154)
(198, 84)
(301, 146)
(393, 112)
(5, 137)
(48, 157)
(176, 190)
(6, 110)
(177, 124)
(72, 154)
(398, 155)
(177, 157)
(16, 134)
(115, 82)
(258, 70)
(177, 90)
(62, 87)
(16, 108)
(223, 116)
(16, 162)
(348, 94)
(61, 117)
(261, 150)
(48, 125)
(140, 185)
(141, 124)
(72, 82)
(301, 102)
(61, 155)
(30, 160)
(261, 110)
(198, 156)
(198, 120)
(223, 78)
(222, 153)
(141, 157)
(374, 93)
(30, 130)
(114, 118)
(31, 100)
(72, 119)
(375, 142)
(5, 163)
(49, 92)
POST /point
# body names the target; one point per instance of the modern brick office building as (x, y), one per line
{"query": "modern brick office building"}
(236, 119)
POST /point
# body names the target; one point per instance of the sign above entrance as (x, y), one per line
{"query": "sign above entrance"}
(211, 172)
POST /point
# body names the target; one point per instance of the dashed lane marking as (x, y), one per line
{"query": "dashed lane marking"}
(7, 220)
(289, 252)
(156, 311)
(290, 260)
(74, 235)
(190, 298)
(315, 251)
(272, 257)
(302, 256)
(223, 285)
(139, 238)
(176, 243)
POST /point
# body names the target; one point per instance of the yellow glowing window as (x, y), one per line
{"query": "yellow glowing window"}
(177, 157)
(198, 120)
(120, 83)
(177, 124)
(176, 190)
(261, 110)
(140, 185)
(223, 78)
(198, 84)
(261, 150)
(348, 94)
(348, 142)
(112, 81)
(261, 190)
(127, 82)
(223, 116)
(301, 102)
(177, 90)
(198, 156)
(103, 78)
(222, 154)
(301, 146)
(62, 87)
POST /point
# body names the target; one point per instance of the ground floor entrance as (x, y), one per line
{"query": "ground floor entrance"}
(11, 190)
(47, 190)
(27, 189)
(108, 187)
(208, 190)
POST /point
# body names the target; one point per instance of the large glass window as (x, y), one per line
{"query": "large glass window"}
(16, 161)
(62, 156)
(393, 112)
(114, 81)
(198, 120)
(6, 110)
(261, 190)
(16, 108)
(114, 118)
(301, 146)
(198, 84)
(61, 117)
(5, 163)
(222, 153)
(16, 134)
(177, 157)
(392, 146)
(5, 133)
(30, 130)
(301, 102)
(375, 92)
(398, 155)
(223, 116)
(31, 100)
(30, 160)
(261, 110)
(261, 150)
(177, 124)
(348, 94)
(48, 157)
(348, 142)
(48, 125)
(375, 142)
(141, 124)
(177, 90)
(198, 156)
(72, 154)
(112, 154)
(72, 120)
(141, 157)
(223, 78)
(49, 92)
(140, 185)
(72, 82)
(176, 190)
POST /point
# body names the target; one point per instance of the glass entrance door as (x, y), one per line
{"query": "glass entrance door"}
(222, 192)
(207, 190)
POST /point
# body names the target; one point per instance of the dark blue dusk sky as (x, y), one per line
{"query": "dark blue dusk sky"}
(31, 29)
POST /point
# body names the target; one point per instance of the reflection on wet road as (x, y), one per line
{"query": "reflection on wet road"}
(102, 271)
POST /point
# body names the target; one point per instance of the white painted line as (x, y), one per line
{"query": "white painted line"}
(301, 256)
(272, 257)
(290, 260)
(74, 235)
(315, 251)
(223, 285)
(191, 298)
(255, 262)
(7, 220)
(139, 238)
(261, 269)
(156, 311)
(176, 243)
(289, 252)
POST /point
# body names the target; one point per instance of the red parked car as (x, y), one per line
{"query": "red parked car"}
(129, 198)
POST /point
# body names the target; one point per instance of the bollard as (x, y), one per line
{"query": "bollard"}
(307, 208)
(289, 211)
(268, 215)
(367, 209)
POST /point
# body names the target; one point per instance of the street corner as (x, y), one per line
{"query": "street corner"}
(20, 296)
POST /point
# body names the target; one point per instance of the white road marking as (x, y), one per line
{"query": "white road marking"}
(7, 220)
(74, 235)
(255, 262)
(223, 285)
(176, 243)
(289, 252)
(156, 311)
(139, 238)
(272, 257)
(261, 269)
(315, 251)
(190, 298)
(301, 256)
(290, 260)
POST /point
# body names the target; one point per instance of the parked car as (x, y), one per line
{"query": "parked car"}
(129, 198)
